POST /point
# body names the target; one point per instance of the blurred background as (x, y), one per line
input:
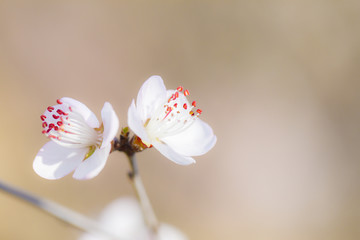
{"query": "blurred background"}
(277, 80)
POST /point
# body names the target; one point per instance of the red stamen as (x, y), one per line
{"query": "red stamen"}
(180, 89)
(58, 101)
(185, 106)
(175, 105)
(56, 128)
(186, 93)
(50, 109)
(44, 125)
(59, 123)
(51, 125)
(191, 113)
(176, 95)
(43, 117)
(171, 98)
(55, 116)
(193, 103)
(199, 111)
(60, 112)
(43, 131)
(168, 111)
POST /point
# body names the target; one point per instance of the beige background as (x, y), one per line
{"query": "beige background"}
(277, 80)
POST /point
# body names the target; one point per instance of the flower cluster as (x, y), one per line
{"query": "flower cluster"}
(160, 118)
(79, 143)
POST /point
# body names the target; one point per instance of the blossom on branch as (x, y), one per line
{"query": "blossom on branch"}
(166, 120)
(78, 141)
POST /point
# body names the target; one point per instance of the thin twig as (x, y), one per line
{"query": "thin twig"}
(148, 212)
(60, 212)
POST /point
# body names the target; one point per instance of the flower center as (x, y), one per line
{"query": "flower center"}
(68, 128)
(172, 117)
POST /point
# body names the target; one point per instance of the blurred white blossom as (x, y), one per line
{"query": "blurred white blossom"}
(123, 218)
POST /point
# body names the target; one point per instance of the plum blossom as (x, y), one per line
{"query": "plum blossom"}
(78, 141)
(123, 219)
(166, 120)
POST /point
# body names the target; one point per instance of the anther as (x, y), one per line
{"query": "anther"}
(51, 125)
(58, 101)
(186, 93)
(176, 95)
(50, 109)
(185, 106)
(171, 98)
(55, 116)
(193, 103)
(175, 105)
(44, 124)
(199, 111)
(59, 123)
(180, 89)
(60, 112)
(43, 117)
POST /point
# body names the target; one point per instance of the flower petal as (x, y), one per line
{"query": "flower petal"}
(123, 218)
(111, 124)
(92, 166)
(168, 232)
(88, 115)
(54, 161)
(151, 95)
(197, 140)
(136, 124)
(168, 152)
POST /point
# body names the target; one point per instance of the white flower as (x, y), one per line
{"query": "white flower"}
(123, 218)
(166, 120)
(78, 141)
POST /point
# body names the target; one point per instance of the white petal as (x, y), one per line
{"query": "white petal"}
(123, 218)
(151, 95)
(111, 124)
(168, 232)
(88, 115)
(54, 161)
(92, 166)
(136, 124)
(168, 152)
(197, 140)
